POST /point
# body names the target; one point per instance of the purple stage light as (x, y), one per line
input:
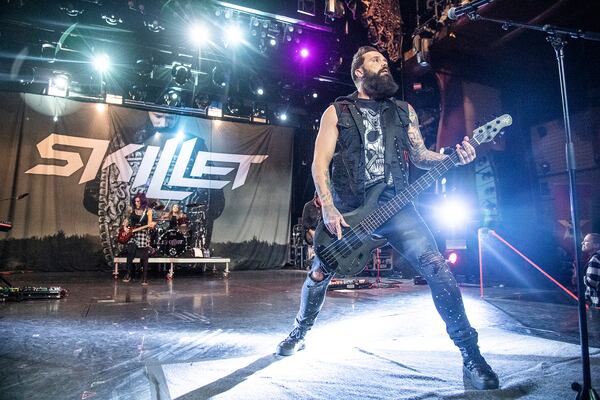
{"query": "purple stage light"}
(304, 53)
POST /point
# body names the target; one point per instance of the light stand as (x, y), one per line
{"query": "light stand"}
(556, 37)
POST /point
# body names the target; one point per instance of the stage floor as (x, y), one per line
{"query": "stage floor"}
(202, 336)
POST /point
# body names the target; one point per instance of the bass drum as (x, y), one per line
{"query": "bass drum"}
(172, 243)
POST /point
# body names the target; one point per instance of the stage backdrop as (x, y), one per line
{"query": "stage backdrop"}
(82, 163)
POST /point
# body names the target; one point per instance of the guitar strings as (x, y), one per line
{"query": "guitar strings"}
(353, 236)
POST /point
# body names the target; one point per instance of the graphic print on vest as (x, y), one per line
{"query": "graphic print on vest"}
(374, 146)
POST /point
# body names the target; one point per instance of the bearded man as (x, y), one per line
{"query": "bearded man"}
(363, 137)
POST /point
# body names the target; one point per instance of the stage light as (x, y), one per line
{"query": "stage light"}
(100, 107)
(58, 84)
(453, 213)
(215, 109)
(220, 76)
(138, 92)
(453, 258)
(310, 95)
(172, 97)
(198, 34)
(259, 114)
(113, 98)
(304, 53)
(334, 9)
(144, 67)
(234, 35)
(202, 101)
(421, 47)
(257, 85)
(101, 62)
(233, 106)
(181, 74)
(154, 26)
(334, 63)
(71, 11)
(273, 42)
(112, 19)
(282, 116)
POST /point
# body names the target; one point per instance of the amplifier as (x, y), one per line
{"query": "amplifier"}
(31, 293)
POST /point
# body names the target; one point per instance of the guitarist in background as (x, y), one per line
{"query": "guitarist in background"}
(311, 216)
(364, 137)
(139, 243)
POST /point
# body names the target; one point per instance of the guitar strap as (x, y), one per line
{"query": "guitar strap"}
(139, 223)
(144, 215)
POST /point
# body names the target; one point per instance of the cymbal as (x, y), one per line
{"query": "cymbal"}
(195, 205)
(156, 205)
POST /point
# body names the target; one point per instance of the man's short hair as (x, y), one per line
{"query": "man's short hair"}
(358, 59)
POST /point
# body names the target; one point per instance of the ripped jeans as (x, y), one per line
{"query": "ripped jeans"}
(408, 234)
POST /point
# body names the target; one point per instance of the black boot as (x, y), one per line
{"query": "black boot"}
(477, 370)
(291, 344)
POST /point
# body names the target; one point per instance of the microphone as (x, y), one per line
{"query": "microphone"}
(456, 12)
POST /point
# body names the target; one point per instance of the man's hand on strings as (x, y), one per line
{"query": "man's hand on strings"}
(334, 221)
(466, 152)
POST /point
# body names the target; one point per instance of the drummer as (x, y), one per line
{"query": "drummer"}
(175, 217)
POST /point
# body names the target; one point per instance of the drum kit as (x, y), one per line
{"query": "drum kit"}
(174, 236)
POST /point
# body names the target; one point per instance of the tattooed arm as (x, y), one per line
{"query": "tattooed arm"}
(324, 149)
(424, 158)
(419, 154)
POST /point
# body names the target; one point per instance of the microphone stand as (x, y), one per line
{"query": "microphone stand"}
(556, 37)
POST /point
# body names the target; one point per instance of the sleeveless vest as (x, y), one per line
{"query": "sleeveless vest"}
(348, 163)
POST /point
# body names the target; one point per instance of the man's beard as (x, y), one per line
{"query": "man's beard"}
(379, 86)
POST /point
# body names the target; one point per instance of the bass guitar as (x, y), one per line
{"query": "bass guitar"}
(125, 234)
(348, 256)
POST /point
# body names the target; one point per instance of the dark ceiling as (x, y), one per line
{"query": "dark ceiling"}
(473, 50)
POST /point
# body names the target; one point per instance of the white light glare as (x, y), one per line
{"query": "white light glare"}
(234, 34)
(199, 35)
(453, 213)
(453, 258)
(283, 116)
(101, 62)
(58, 85)
(260, 91)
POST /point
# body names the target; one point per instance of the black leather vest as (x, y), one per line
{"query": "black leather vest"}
(348, 163)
